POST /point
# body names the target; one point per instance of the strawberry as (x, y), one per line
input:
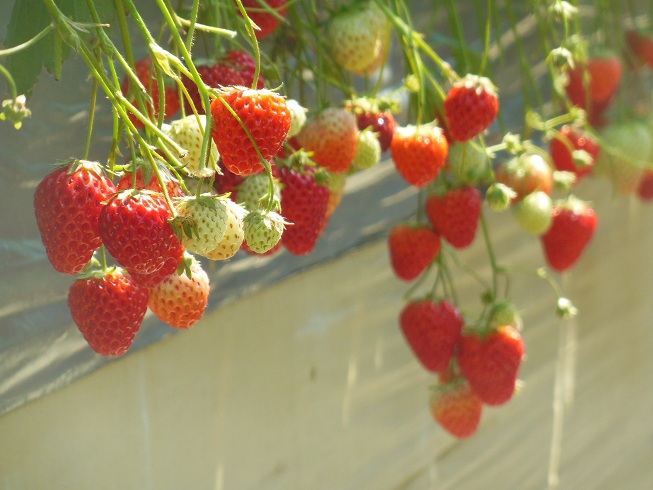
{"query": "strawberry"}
(155, 278)
(234, 68)
(567, 149)
(143, 71)
(432, 330)
(108, 308)
(336, 184)
(419, 152)
(470, 106)
(227, 182)
(625, 147)
(603, 72)
(504, 313)
(533, 213)
(135, 230)
(412, 250)
(266, 117)
(468, 163)
(253, 191)
(572, 228)
(263, 230)
(188, 132)
(356, 37)
(145, 179)
(201, 222)
(491, 363)
(297, 115)
(526, 173)
(456, 408)
(67, 205)
(267, 22)
(368, 152)
(304, 204)
(640, 45)
(234, 234)
(180, 300)
(645, 187)
(455, 214)
(331, 136)
(383, 124)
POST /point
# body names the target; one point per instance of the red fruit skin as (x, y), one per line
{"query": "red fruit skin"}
(578, 140)
(108, 311)
(568, 236)
(455, 215)
(604, 74)
(149, 81)
(304, 204)
(127, 181)
(457, 409)
(180, 300)
(135, 230)
(266, 22)
(491, 364)
(412, 249)
(235, 68)
(419, 155)
(432, 330)
(155, 278)
(67, 208)
(641, 47)
(470, 106)
(645, 188)
(382, 123)
(267, 118)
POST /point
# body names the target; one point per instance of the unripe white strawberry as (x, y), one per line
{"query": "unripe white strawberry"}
(188, 132)
(234, 233)
(254, 189)
(201, 222)
(368, 152)
(356, 37)
(468, 163)
(533, 213)
(263, 230)
(298, 115)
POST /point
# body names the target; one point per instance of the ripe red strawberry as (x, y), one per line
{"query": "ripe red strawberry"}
(235, 68)
(645, 188)
(67, 205)
(155, 278)
(432, 330)
(603, 73)
(145, 179)
(331, 136)
(456, 408)
(419, 152)
(525, 174)
(148, 79)
(381, 123)
(303, 204)
(491, 363)
(470, 106)
(573, 226)
(266, 21)
(135, 230)
(108, 309)
(640, 44)
(455, 215)
(264, 114)
(564, 148)
(412, 249)
(180, 300)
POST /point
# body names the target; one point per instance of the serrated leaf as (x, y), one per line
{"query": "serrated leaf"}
(28, 18)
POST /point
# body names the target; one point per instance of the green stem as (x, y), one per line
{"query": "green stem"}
(91, 119)
(10, 82)
(28, 43)
(491, 255)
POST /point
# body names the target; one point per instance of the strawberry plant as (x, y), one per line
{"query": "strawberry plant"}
(238, 127)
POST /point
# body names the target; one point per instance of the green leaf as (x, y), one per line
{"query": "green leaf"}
(28, 18)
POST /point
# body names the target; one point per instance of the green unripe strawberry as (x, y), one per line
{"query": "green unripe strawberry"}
(368, 152)
(254, 189)
(234, 234)
(263, 230)
(188, 132)
(201, 222)
(533, 212)
(468, 163)
(298, 115)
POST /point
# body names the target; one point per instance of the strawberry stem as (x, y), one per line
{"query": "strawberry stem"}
(91, 118)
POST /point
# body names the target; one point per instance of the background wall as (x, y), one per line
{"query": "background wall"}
(309, 384)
